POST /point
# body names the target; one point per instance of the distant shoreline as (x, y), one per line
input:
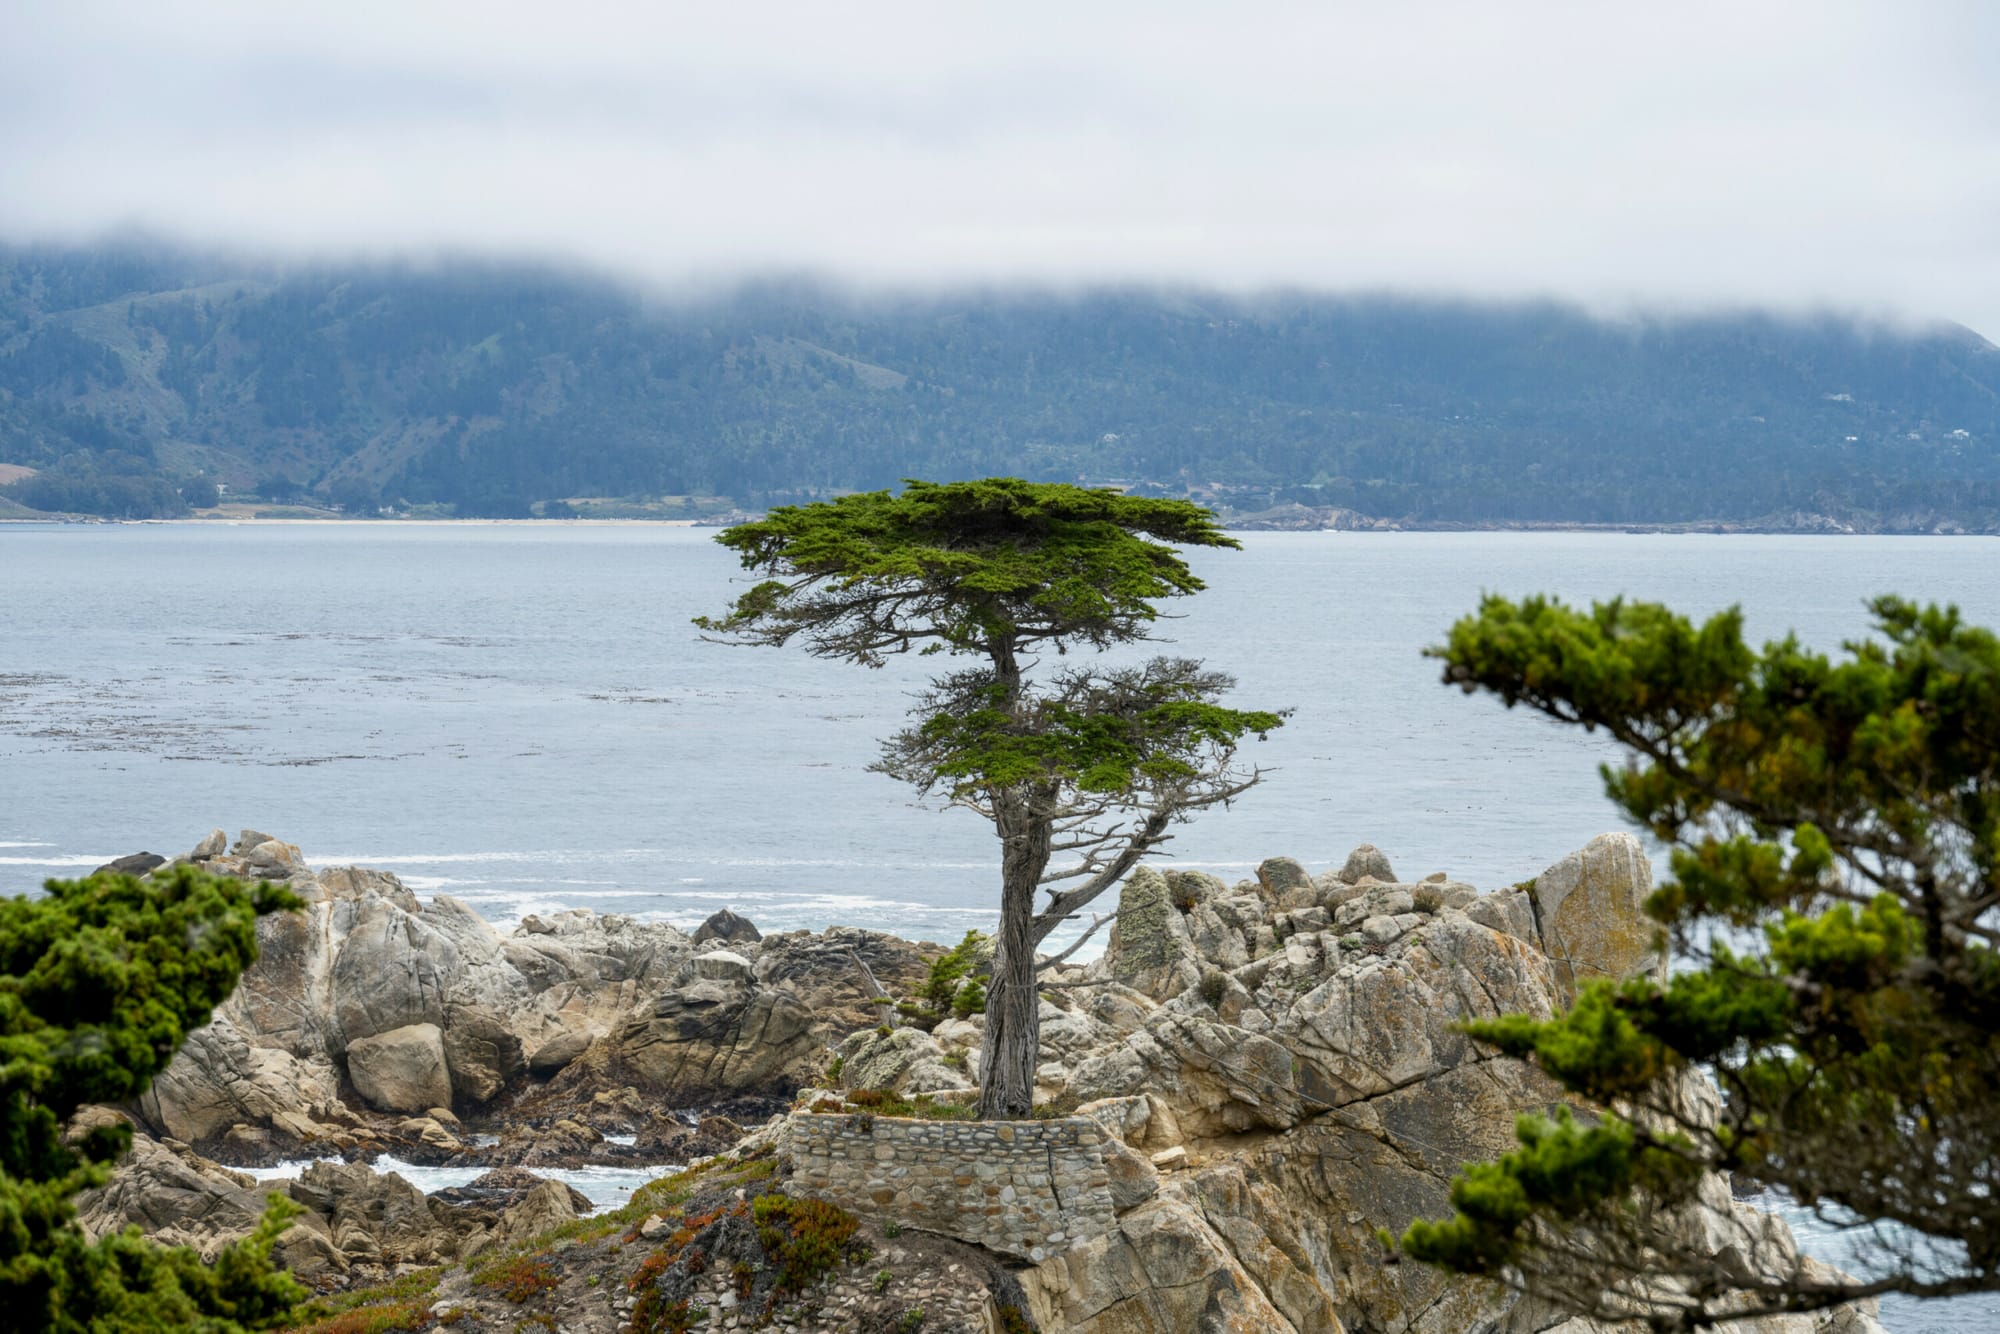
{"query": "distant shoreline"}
(1699, 528)
(87, 520)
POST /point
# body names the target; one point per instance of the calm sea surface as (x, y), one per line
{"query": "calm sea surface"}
(521, 716)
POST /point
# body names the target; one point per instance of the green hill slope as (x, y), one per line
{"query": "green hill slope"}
(491, 388)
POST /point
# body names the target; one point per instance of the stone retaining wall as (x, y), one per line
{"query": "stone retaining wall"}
(1027, 1189)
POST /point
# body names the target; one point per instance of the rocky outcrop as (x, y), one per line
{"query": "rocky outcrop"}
(1589, 911)
(1150, 948)
(707, 1040)
(727, 928)
(402, 1070)
(369, 1009)
(902, 1060)
(1166, 1268)
(1282, 1066)
(357, 1224)
(1276, 1065)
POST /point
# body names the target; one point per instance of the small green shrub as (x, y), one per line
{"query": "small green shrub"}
(1214, 986)
(948, 969)
(519, 1280)
(392, 1318)
(834, 1067)
(919, 1106)
(882, 1280)
(380, 1309)
(1351, 941)
(806, 1238)
(970, 1000)
(1428, 898)
(912, 1321)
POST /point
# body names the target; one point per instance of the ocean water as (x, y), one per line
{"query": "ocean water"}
(522, 716)
(605, 1187)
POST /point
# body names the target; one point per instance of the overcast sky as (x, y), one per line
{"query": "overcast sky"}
(1666, 155)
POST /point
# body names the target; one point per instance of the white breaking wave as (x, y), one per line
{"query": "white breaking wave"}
(575, 856)
(606, 1187)
(56, 861)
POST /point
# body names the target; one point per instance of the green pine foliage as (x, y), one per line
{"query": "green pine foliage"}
(100, 980)
(950, 567)
(1835, 827)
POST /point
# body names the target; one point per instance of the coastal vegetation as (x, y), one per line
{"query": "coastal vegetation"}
(100, 979)
(1835, 828)
(1087, 767)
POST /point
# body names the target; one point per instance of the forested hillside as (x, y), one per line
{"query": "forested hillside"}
(127, 373)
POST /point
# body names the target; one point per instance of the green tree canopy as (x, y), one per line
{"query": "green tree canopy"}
(1095, 765)
(1835, 874)
(100, 979)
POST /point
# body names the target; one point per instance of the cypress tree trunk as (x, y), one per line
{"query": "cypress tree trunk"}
(1011, 1047)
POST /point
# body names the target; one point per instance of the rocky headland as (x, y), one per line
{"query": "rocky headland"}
(1249, 1083)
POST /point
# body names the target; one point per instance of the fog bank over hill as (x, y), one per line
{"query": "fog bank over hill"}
(130, 372)
(1777, 155)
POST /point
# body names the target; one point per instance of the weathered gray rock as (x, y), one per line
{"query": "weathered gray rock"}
(710, 1040)
(1162, 1272)
(1284, 882)
(1338, 1043)
(1590, 908)
(501, 1189)
(182, 1199)
(482, 1055)
(381, 1220)
(402, 1070)
(1367, 862)
(214, 845)
(903, 1060)
(725, 926)
(547, 1206)
(723, 966)
(1134, 1179)
(275, 860)
(137, 863)
(1508, 911)
(219, 1079)
(390, 972)
(248, 839)
(1150, 948)
(555, 1055)
(429, 1132)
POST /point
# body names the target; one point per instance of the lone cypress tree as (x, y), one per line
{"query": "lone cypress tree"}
(1094, 765)
(1835, 899)
(100, 979)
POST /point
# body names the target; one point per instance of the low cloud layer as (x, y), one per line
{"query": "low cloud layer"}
(1795, 154)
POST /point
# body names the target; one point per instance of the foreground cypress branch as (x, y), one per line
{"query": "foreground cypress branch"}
(1836, 870)
(100, 979)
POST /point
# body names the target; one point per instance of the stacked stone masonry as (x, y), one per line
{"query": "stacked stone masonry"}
(1027, 1189)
